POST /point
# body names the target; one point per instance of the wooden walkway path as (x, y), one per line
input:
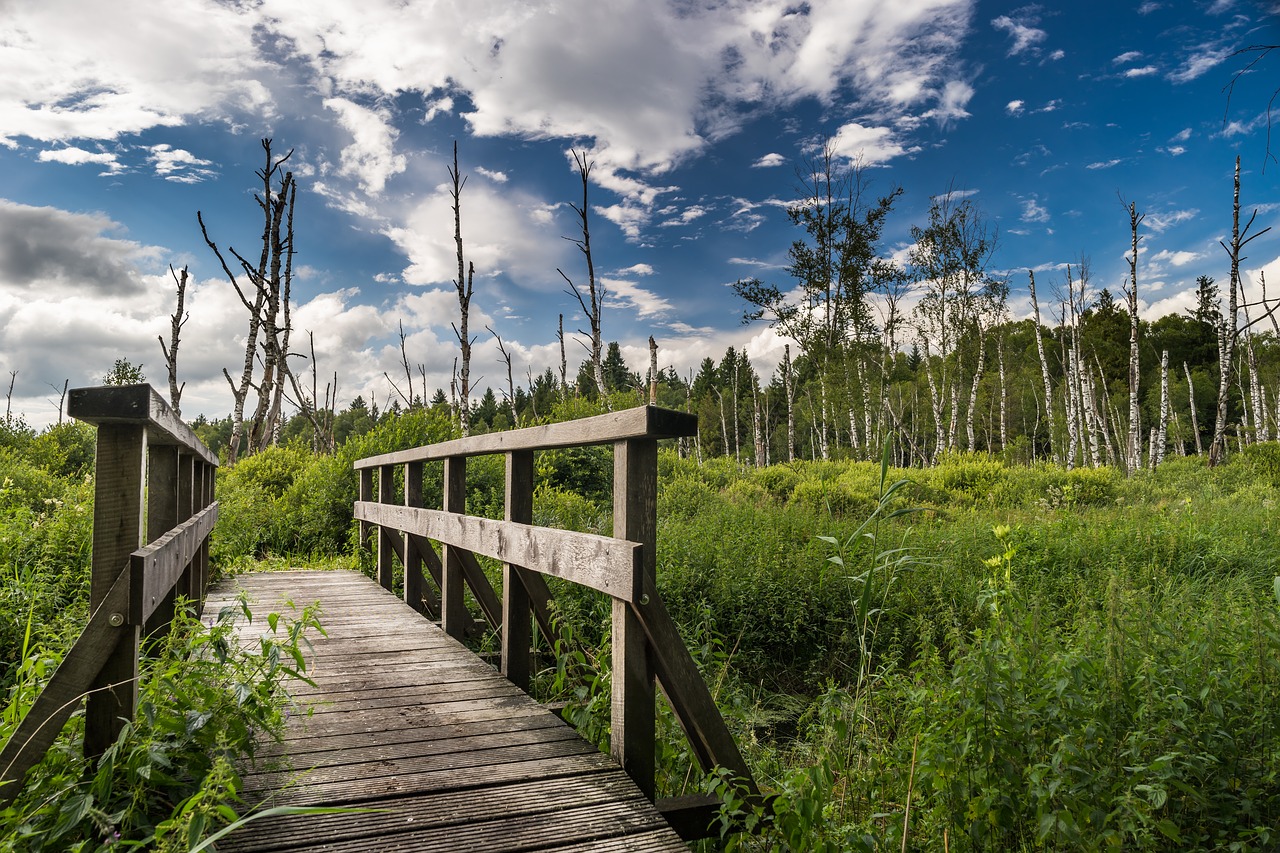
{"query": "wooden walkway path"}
(407, 720)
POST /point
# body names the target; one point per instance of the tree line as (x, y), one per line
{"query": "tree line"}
(919, 351)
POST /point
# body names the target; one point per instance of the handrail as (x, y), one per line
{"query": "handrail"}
(646, 642)
(154, 483)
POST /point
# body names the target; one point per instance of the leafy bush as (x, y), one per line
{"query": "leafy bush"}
(204, 703)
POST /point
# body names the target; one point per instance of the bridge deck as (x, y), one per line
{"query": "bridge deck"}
(407, 720)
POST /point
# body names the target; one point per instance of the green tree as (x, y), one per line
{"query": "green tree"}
(124, 372)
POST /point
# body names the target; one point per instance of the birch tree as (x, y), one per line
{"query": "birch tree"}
(265, 293)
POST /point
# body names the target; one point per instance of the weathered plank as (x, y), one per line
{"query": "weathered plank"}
(140, 405)
(155, 569)
(598, 562)
(66, 688)
(641, 422)
(404, 718)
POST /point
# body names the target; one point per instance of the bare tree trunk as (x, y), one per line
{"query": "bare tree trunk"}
(1162, 430)
(1191, 395)
(271, 278)
(1228, 327)
(176, 322)
(653, 371)
(724, 423)
(1044, 367)
(978, 372)
(8, 400)
(593, 304)
(564, 366)
(1004, 393)
(511, 385)
(464, 284)
(1135, 434)
(757, 434)
(791, 409)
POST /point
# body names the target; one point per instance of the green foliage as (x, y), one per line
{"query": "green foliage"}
(171, 778)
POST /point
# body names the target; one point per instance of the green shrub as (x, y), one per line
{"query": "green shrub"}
(1263, 461)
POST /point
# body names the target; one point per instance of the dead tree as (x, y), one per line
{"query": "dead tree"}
(593, 304)
(270, 279)
(8, 399)
(404, 361)
(62, 396)
(1044, 372)
(564, 366)
(510, 393)
(1229, 330)
(1134, 451)
(466, 277)
(176, 322)
(320, 417)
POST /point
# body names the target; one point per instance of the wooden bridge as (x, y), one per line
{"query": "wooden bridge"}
(436, 748)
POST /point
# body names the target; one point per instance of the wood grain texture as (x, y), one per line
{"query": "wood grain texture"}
(155, 570)
(62, 696)
(140, 405)
(457, 756)
(598, 562)
(641, 422)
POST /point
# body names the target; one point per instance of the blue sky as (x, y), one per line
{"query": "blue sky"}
(118, 121)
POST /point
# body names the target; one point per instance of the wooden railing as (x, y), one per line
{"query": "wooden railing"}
(153, 487)
(645, 640)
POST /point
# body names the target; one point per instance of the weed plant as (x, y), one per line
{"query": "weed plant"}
(172, 776)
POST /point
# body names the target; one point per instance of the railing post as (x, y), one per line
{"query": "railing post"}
(162, 516)
(517, 634)
(188, 504)
(415, 582)
(635, 514)
(118, 517)
(386, 495)
(454, 616)
(366, 494)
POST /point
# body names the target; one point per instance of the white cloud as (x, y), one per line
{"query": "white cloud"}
(496, 176)
(1024, 36)
(73, 156)
(180, 165)
(1033, 211)
(1198, 63)
(689, 214)
(768, 160)
(1103, 164)
(1174, 150)
(1176, 259)
(371, 157)
(73, 71)
(1159, 222)
(1127, 57)
(626, 295)
(1144, 71)
(636, 269)
(870, 145)
(1182, 135)
(1051, 106)
(1015, 107)
(1057, 55)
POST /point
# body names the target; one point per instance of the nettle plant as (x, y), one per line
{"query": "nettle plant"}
(172, 778)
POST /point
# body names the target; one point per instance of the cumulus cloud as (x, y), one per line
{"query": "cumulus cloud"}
(872, 146)
(1175, 259)
(1127, 57)
(65, 91)
(371, 157)
(1144, 71)
(1015, 107)
(769, 160)
(74, 156)
(493, 175)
